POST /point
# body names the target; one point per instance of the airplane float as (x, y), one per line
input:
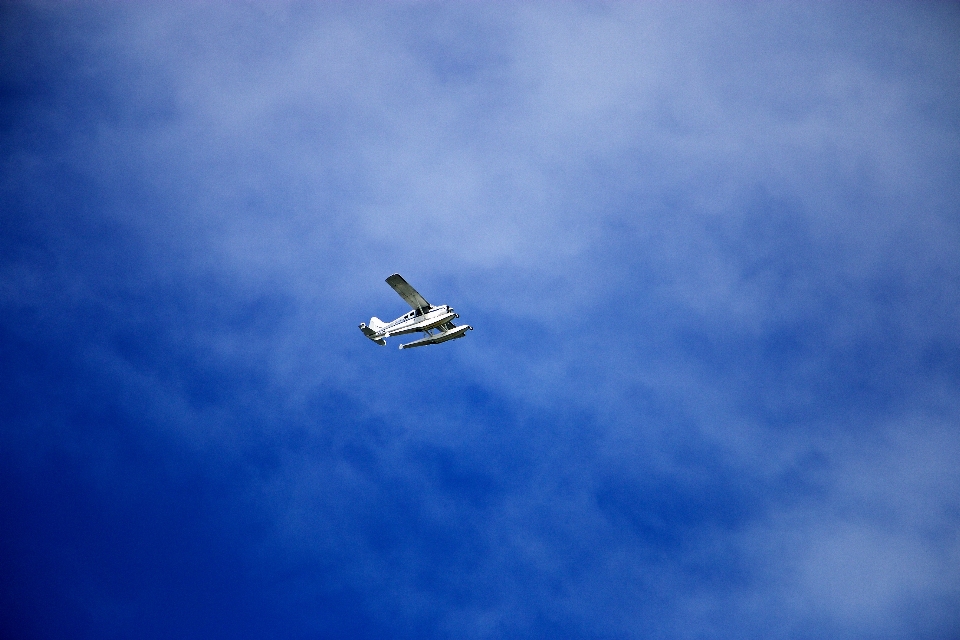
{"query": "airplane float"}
(425, 318)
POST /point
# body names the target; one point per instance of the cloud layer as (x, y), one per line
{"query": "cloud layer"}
(711, 253)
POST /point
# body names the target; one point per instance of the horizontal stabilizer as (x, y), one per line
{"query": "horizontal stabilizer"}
(370, 333)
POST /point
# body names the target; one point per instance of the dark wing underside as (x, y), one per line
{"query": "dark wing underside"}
(407, 292)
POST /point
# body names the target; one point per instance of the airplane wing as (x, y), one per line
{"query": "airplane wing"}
(407, 292)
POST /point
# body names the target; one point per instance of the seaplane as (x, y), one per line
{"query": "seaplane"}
(425, 318)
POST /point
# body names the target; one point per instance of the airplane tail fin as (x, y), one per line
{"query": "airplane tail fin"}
(371, 332)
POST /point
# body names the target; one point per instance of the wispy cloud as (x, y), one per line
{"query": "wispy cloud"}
(710, 251)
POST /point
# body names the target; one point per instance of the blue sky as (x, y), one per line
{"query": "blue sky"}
(711, 253)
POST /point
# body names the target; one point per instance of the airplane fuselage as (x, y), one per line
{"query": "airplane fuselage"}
(415, 321)
(412, 323)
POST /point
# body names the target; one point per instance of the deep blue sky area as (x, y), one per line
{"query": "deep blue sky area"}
(711, 252)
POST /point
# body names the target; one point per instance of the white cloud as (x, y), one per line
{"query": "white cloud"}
(605, 187)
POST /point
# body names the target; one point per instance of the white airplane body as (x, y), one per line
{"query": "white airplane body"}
(425, 318)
